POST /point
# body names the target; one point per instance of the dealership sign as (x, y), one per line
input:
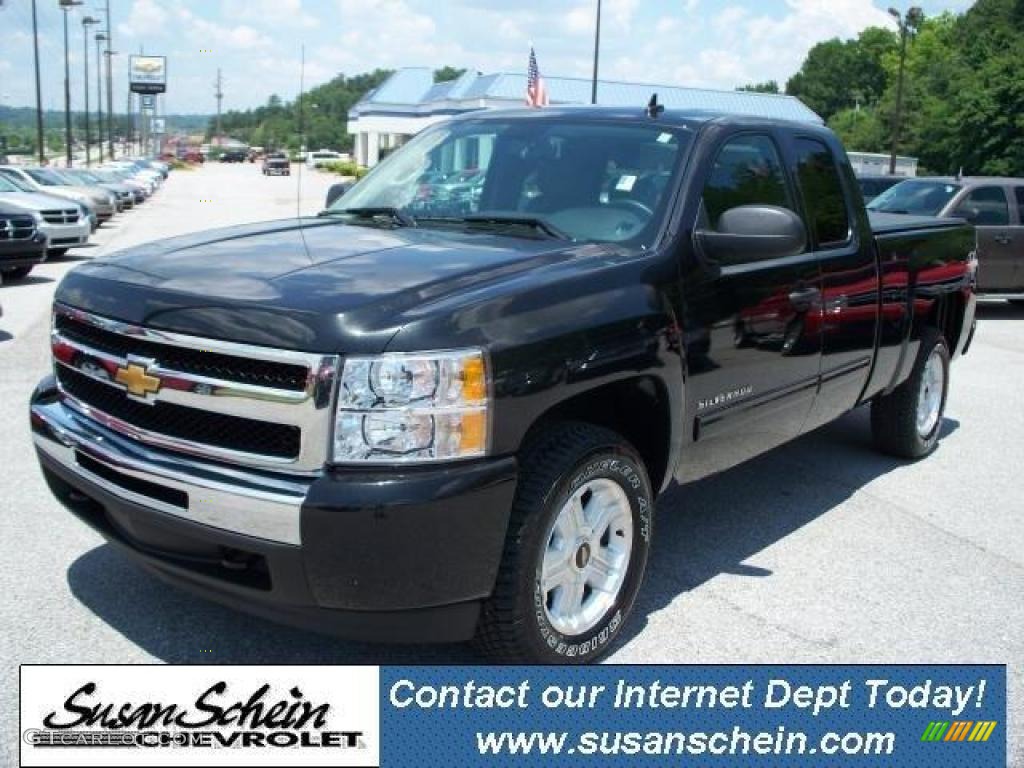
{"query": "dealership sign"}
(147, 74)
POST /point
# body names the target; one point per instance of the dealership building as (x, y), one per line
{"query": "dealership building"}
(410, 100)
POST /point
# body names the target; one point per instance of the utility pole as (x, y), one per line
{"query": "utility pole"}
(908, 26)
(39, 90)
(219, 93)
(100, 37)
(110, 85)
(87, 22)
(597, 51)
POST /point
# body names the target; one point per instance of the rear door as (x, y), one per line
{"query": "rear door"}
(753, 325)
(988, 208)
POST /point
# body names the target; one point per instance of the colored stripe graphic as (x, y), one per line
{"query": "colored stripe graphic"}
(959, 730)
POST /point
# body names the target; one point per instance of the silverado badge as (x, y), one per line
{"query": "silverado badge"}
(135, 378)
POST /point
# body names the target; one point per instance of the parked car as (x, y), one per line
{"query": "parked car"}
(872, 186)
(277, 163)
(139, 190)
(322, 156)
(100, 202)
(234, 156)
(125, 195)
(64, 222)
(152, 179)
(433, 427)
(22, 244)
(995, 206)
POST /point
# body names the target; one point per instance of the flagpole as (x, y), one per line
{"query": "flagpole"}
(597, 50)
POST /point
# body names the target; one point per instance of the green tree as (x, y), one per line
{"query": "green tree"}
(838, 74)
(769, 86)
(444, 74)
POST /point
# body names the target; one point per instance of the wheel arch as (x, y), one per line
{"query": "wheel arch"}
(637, 408)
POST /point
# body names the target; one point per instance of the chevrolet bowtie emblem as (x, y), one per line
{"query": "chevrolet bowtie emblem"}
(137, 380)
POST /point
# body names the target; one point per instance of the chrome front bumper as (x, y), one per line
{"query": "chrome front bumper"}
(254, 504)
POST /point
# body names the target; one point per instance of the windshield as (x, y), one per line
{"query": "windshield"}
(7, 186)
(16, 181)
(923, 198)
(596, 181)
(47, 178)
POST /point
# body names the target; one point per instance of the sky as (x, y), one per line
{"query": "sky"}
(257, 43)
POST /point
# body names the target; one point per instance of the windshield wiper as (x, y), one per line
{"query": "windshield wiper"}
(505, 220)
(397, 215)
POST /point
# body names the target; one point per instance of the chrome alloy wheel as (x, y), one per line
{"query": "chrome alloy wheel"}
(586, 556)
(929, 401)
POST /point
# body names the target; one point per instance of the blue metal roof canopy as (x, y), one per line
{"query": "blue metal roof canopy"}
(414, 90)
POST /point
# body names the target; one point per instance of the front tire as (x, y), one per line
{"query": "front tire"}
(576, 549)
(906, 423)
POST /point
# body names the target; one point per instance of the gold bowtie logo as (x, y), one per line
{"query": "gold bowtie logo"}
(135, 379)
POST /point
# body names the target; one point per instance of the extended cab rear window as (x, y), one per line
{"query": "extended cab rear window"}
(823, 193)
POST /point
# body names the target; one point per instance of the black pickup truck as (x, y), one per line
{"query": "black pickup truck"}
(419, 418)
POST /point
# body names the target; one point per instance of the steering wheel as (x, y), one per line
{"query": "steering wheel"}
(635, 206)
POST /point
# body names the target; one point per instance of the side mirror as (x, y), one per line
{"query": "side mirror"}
(336, 191)
(970, 215)
(754, 232)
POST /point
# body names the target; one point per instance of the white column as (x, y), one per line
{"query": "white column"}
(373, 155)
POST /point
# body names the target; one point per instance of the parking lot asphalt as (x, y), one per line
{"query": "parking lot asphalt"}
(821, 551)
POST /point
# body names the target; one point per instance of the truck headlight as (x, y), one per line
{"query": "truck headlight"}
(412, 408)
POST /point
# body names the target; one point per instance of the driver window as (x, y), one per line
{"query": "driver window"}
(747, 171)
(985, 206)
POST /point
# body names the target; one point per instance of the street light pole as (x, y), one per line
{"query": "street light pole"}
(908, 25)
(67, 5)
(100, 37)
(110, 86)
(39, 91)
(87, 22)
(597, 52)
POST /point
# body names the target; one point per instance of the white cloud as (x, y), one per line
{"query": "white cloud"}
(207, 34)
(145, 19)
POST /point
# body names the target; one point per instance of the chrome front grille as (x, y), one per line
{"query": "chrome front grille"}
(61, 216)
(253, 406)
(16, 228)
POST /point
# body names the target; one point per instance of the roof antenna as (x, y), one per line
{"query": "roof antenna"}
(654, 109)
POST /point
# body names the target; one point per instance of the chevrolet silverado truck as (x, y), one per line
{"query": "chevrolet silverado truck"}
(406, 419)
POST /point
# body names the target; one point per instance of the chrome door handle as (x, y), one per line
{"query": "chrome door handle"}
(804, 298)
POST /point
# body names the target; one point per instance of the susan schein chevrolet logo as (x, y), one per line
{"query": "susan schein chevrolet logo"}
(959, 730)
(135, 377)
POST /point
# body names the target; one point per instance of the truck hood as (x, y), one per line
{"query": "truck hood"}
(314, 285)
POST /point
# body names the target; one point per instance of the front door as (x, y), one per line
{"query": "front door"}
(988, 209)
(753, 325)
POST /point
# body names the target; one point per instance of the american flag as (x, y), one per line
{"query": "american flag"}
(536, 91)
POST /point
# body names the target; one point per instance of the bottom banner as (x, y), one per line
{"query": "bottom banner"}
(780, 716)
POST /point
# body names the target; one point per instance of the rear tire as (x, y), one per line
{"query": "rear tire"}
(906, 422)
(576, 549)
(17, 273)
